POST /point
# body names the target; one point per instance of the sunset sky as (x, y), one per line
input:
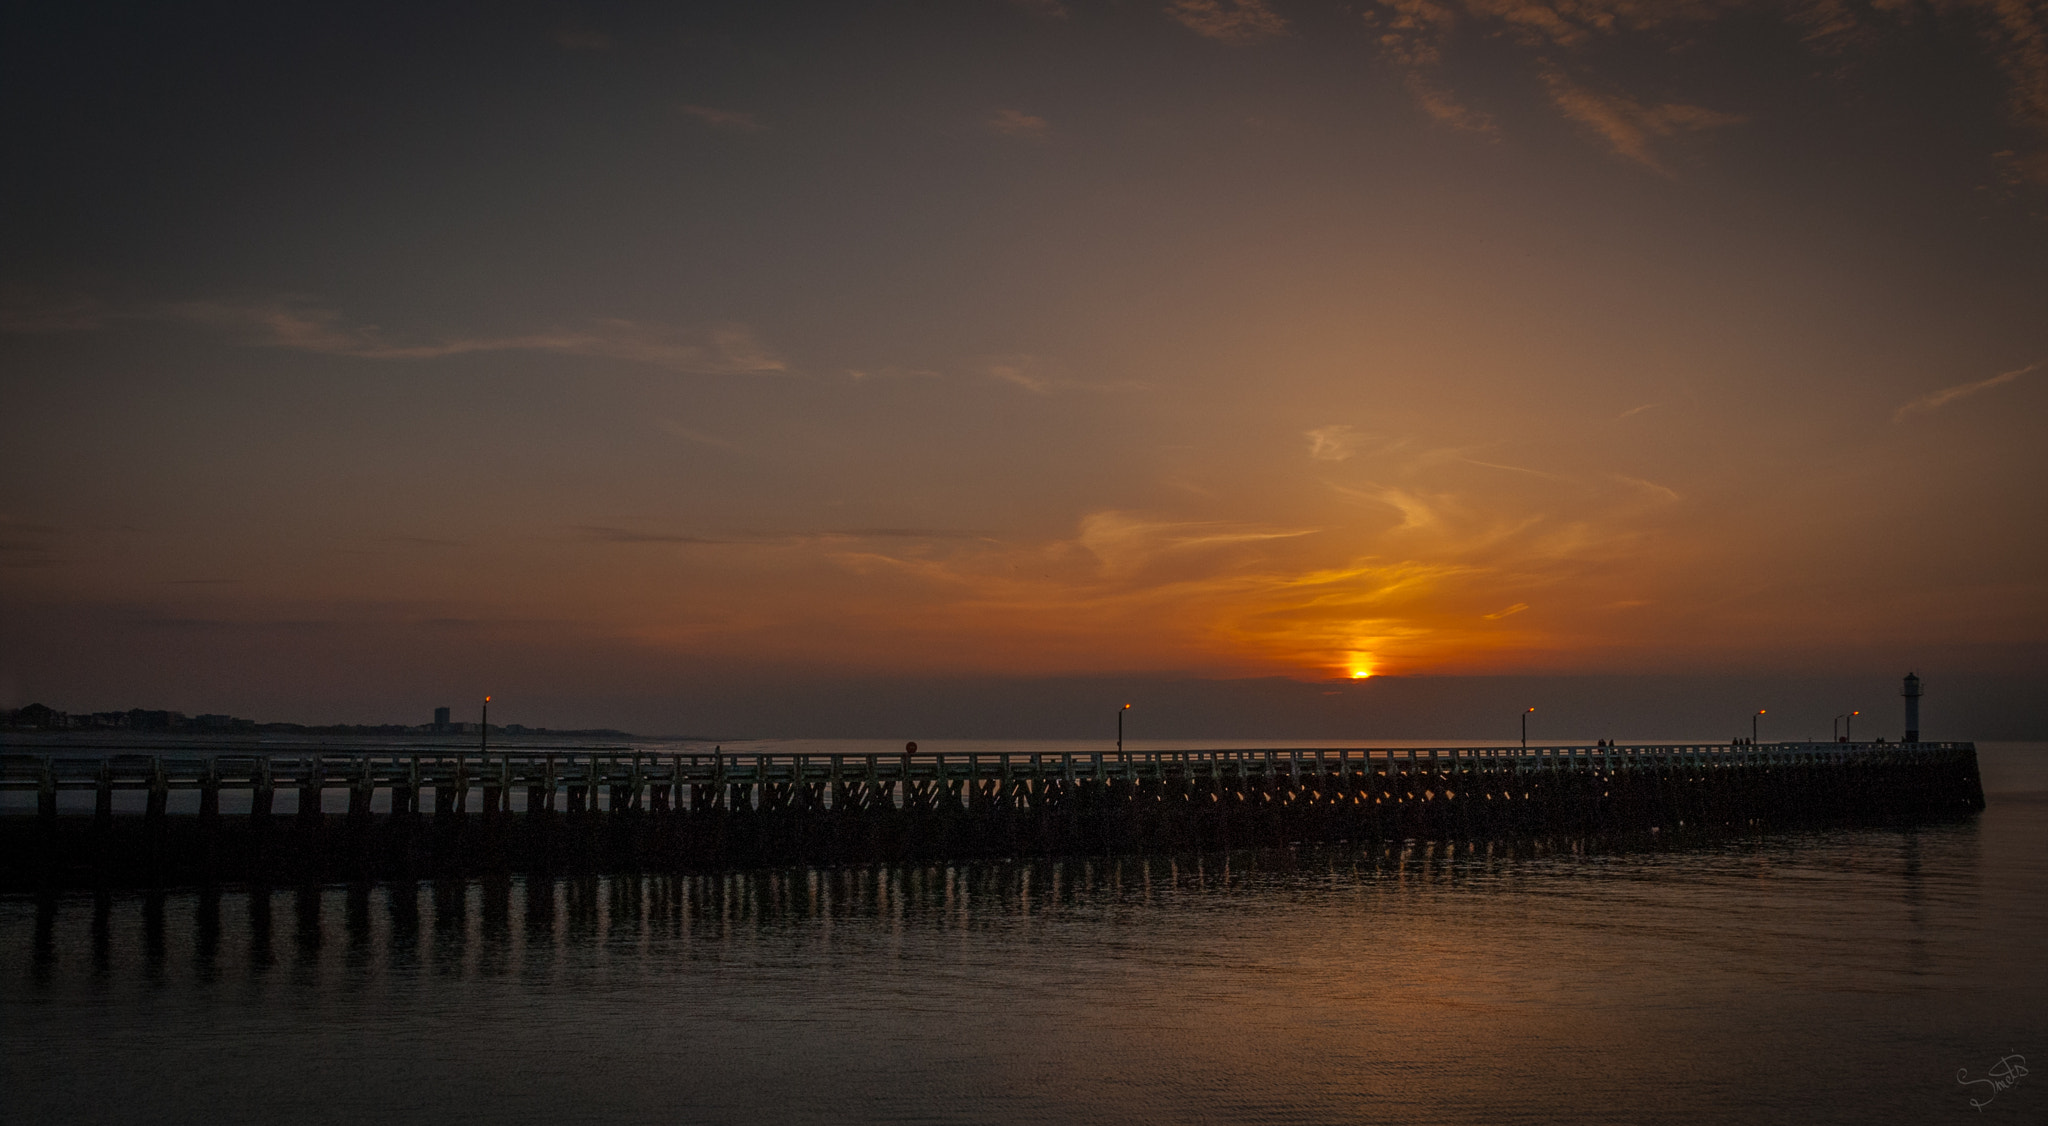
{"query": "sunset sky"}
(358, 359)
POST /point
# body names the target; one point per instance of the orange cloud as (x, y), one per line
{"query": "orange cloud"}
(1629, 126)
(1414, 36)
(1236, 22)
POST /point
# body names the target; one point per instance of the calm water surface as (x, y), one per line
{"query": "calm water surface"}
(1824, 977)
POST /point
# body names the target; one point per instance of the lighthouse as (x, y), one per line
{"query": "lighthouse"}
(1912, 694)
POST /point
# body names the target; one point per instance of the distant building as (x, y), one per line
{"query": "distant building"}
(440, 719)
(39, 715)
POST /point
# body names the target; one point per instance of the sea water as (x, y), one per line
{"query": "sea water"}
(1853, 976)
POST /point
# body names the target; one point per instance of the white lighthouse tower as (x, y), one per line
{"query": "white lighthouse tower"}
(1912, 694)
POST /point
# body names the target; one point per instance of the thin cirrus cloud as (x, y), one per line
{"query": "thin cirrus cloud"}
(698, 437)
(1236, 22)
(583, 39)
(26, 312)
(891, 371)
(612, 534)
(26, 544)
(1221, 594)
(729, 120)
(719, 350)
(1042, 377)
(1630, 127)
(1945, 396)
(1017, 123)
(1565, 39)
(1333, 443)
(598, 533)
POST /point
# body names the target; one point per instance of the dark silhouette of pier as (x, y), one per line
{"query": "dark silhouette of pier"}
(433, 811)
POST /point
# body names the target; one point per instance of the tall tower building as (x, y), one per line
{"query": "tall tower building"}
(440, 719)
(1912, 694)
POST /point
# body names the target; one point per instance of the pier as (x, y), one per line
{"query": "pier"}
(402, 811)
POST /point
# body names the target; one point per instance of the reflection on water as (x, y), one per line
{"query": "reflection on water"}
(1818, 977)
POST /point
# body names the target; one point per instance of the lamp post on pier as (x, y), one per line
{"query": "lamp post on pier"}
(1849, 726)
(1120, 730)
(483, 730)
(1525, 727)
(1752, 726)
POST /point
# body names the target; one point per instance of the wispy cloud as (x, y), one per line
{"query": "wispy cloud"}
(1236, 22)
(1522, 469)
(1649, 488)
(1629, 126)
(1017, 123)
(763, 539)
(1416, 512)
(1445, 108)
(583, 39)
(671, 426)
(1333, 443)
(2017, 32)
(1947, 395)
(723, 349)
(602, 534)
(1042, 377)
(906, 533)
(26, 312)
(25, 544)
(1634, 411)
(733, 121)
(1415, 36)
(1147, 589)
(891, 371)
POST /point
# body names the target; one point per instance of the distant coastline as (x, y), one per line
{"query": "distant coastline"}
(41, 718)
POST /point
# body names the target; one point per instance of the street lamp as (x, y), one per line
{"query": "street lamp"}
(1848, 727)
(1525, 727)
(1752, 726)
(483, 745)
(1120, 730)
(1835, 728)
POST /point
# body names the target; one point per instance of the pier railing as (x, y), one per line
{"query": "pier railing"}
(412, 810)
(549, 769)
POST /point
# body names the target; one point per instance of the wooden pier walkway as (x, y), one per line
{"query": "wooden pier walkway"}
(436, 809)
